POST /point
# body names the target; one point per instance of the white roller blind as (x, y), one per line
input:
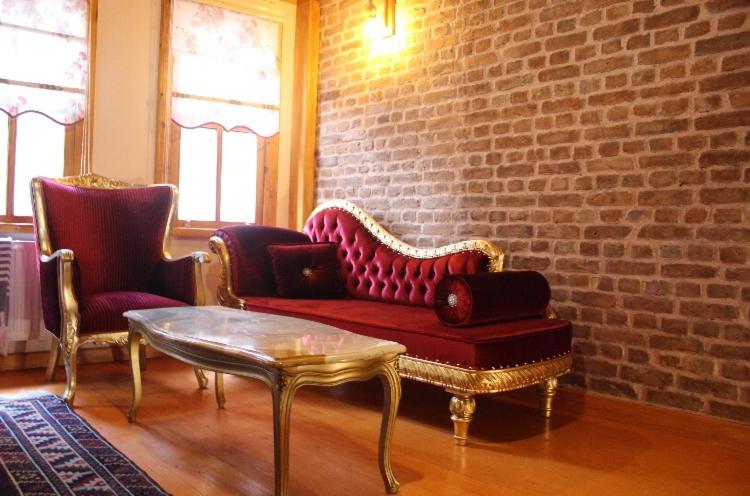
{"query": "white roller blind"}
(44, 58)
(225, 68)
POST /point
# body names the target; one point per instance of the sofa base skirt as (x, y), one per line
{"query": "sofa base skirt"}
(463, 384)
(469, 381)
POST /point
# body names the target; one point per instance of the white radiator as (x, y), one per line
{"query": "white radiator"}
(21, 323)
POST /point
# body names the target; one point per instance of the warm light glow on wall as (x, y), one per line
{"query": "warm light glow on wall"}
(381, 22)
(382, 40)
(375, 29)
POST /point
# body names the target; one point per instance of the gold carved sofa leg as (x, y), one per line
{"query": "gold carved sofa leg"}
(547, 390)
(462, 408)
(54, 354)
(71, 358)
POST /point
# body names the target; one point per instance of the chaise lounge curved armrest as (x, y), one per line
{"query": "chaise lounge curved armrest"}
(390, 294)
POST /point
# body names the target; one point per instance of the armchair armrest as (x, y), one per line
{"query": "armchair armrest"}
(225, 293)
(57, 282)
(63, 254)
(181, 278)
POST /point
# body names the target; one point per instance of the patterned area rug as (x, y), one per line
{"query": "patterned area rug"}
(46, 449)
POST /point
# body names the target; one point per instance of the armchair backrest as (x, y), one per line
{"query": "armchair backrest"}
(116, 232)
(380, 267)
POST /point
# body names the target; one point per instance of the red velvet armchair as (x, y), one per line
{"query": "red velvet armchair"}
(102, 248)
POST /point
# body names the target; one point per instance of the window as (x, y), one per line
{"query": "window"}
(43, 96)
(225, 114)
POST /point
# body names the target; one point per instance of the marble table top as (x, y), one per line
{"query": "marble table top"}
(266, 338)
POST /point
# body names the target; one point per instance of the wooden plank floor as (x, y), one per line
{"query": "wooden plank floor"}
(593, 445)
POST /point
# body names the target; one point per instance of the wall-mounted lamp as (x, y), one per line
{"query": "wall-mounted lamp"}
(382, 18)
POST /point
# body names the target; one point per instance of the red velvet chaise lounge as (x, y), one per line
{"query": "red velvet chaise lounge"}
(390, 294)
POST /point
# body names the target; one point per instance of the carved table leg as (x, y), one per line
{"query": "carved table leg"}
(462, 408)
(392, 395)
(201, 376)
(547, 390)
(54, 355)
(282, 395)
(142, 355)
(219, 386)
(134, 344)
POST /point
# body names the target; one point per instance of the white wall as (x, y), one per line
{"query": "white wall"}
(125, 99)
(127, 69)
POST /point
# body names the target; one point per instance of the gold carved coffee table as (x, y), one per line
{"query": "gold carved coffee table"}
(284, 352)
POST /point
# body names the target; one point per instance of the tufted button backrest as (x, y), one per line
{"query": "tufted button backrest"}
(375, 271)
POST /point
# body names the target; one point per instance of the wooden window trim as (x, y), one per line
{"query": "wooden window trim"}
(305, 119)
(72, 165)
(166, 168)
(276, 210)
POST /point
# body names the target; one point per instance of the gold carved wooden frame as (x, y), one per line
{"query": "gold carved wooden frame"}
(70, 319)
(380, 233)
(462, 383)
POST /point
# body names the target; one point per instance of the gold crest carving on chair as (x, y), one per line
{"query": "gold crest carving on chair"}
(103, 250)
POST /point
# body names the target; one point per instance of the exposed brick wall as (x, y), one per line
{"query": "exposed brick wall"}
(601, 142)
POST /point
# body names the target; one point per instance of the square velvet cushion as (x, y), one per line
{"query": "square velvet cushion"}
(308, 270)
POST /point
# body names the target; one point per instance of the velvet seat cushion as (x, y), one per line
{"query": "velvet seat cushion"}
(308, 270)
(472, 299)
(499, 345)
(102, 312)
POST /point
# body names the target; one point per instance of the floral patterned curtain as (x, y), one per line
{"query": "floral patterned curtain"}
(225, 68)
(44, 58)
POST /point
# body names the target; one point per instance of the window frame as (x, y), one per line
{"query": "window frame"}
(267, 154)
(78, 138)
(274, 163)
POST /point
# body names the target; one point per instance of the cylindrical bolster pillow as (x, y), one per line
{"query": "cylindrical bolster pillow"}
(470, 299)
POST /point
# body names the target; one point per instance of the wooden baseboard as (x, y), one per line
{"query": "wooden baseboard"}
(38, 359)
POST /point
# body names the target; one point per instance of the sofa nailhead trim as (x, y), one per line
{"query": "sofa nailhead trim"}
(481, 369)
